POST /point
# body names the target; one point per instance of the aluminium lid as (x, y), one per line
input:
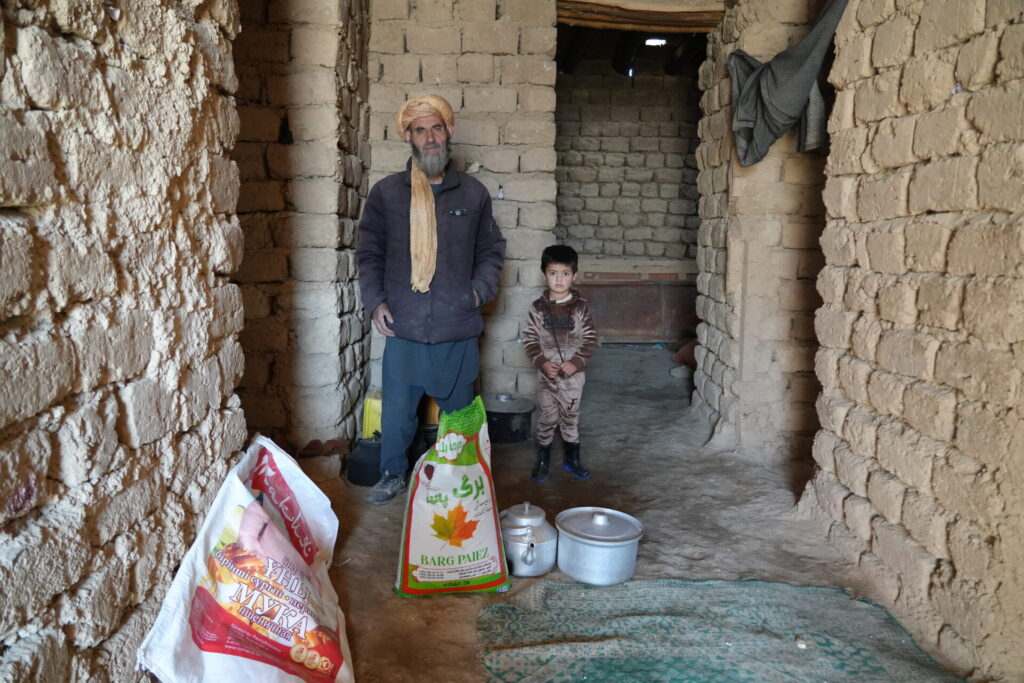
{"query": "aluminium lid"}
(600, 525)
(504, 403)
(523, 514)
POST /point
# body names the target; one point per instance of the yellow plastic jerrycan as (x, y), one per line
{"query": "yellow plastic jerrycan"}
(371, 414)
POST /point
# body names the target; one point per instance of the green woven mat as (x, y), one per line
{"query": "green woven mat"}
(696, 631)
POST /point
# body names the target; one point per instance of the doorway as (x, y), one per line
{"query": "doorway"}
(626, 115)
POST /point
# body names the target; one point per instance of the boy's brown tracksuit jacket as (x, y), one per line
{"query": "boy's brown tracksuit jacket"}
(558, 333)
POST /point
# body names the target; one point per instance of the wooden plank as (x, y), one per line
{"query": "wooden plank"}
(644, 311)
(646, 28)
(579, 13)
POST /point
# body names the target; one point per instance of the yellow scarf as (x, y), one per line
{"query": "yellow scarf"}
(422, 221)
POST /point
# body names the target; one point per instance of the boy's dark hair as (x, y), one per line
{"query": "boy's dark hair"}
(560, 254)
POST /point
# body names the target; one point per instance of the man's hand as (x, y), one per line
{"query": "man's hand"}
(382, 318)
(568, 369)
(550, 369)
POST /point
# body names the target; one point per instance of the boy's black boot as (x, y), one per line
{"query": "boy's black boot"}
(572, 461)
(540, 470)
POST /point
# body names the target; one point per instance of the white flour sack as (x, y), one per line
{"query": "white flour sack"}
(451, 541)
(252, 600)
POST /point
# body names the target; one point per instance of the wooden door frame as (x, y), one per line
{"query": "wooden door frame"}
(598, 15)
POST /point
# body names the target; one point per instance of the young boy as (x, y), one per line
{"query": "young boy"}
(559, 338)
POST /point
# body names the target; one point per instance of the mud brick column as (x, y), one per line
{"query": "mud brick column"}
(758, 257)
(302, 155)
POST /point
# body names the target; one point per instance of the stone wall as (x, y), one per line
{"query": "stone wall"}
(921, 454)
(302, 153)
(627, 173)
(494, 62)
(758, 257)
(119, 352)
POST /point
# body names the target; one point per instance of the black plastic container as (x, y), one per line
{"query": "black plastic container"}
(363, 467)
(508, 419)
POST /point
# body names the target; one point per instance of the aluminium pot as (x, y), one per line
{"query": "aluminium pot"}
(598, 545)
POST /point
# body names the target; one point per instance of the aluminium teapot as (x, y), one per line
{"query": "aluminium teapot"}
(531, 543)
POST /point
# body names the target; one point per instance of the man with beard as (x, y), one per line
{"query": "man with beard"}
(429, 256)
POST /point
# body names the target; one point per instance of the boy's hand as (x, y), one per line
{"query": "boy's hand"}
(550, 369)
(568, 369)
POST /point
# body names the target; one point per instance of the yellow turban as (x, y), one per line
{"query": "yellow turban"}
(422, 221)
(425, 105)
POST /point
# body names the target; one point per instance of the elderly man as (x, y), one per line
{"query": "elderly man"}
(429, 256)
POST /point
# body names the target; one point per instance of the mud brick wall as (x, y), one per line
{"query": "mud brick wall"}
(758, 257)
(119, 353)
(302, 155)
(921, 452)
(627, 172)
(493, 60)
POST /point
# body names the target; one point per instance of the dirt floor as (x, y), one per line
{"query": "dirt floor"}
(708, 515)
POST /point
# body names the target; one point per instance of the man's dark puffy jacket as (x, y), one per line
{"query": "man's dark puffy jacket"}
(470, 255)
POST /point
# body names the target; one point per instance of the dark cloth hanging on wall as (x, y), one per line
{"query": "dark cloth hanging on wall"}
(768, 99)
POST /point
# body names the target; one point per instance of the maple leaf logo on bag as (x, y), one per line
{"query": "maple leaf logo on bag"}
(454, 529)
(450, 445)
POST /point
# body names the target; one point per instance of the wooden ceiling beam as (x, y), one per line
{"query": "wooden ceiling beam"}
(594, 15)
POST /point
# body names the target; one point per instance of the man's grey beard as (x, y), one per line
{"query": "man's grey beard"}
(431, 164)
